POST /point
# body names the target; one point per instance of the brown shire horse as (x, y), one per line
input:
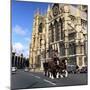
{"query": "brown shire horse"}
(45, 66)
(50, 68)
(62, 68)
(53, 69)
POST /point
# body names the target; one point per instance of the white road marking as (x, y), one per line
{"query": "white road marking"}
(31, 74)
(44, 80)
(49, 82)
(37, 77)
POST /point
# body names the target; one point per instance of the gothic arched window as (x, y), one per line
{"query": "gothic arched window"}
(51, 33)
(40, 28)
(55, 9)
(62, 48)
(72, 48)
(61, 28)
(56, 24)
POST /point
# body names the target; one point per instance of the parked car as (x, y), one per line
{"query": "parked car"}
(26, 69)
(83, 70)
(71, 68)
(13, 69)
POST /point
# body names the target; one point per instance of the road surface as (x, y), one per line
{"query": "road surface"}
(27, 80)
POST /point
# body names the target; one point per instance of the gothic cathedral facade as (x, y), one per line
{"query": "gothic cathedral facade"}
(64, 29)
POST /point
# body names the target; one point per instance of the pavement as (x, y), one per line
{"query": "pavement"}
(27, 80)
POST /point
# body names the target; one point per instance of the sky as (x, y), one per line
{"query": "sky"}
(22, 15)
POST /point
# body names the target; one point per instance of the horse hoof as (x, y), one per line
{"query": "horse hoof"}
(52, 77)
(61, 76)
(66, 75)
(57, 76)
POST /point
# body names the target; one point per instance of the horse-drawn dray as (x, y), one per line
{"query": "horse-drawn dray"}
(55, 68)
